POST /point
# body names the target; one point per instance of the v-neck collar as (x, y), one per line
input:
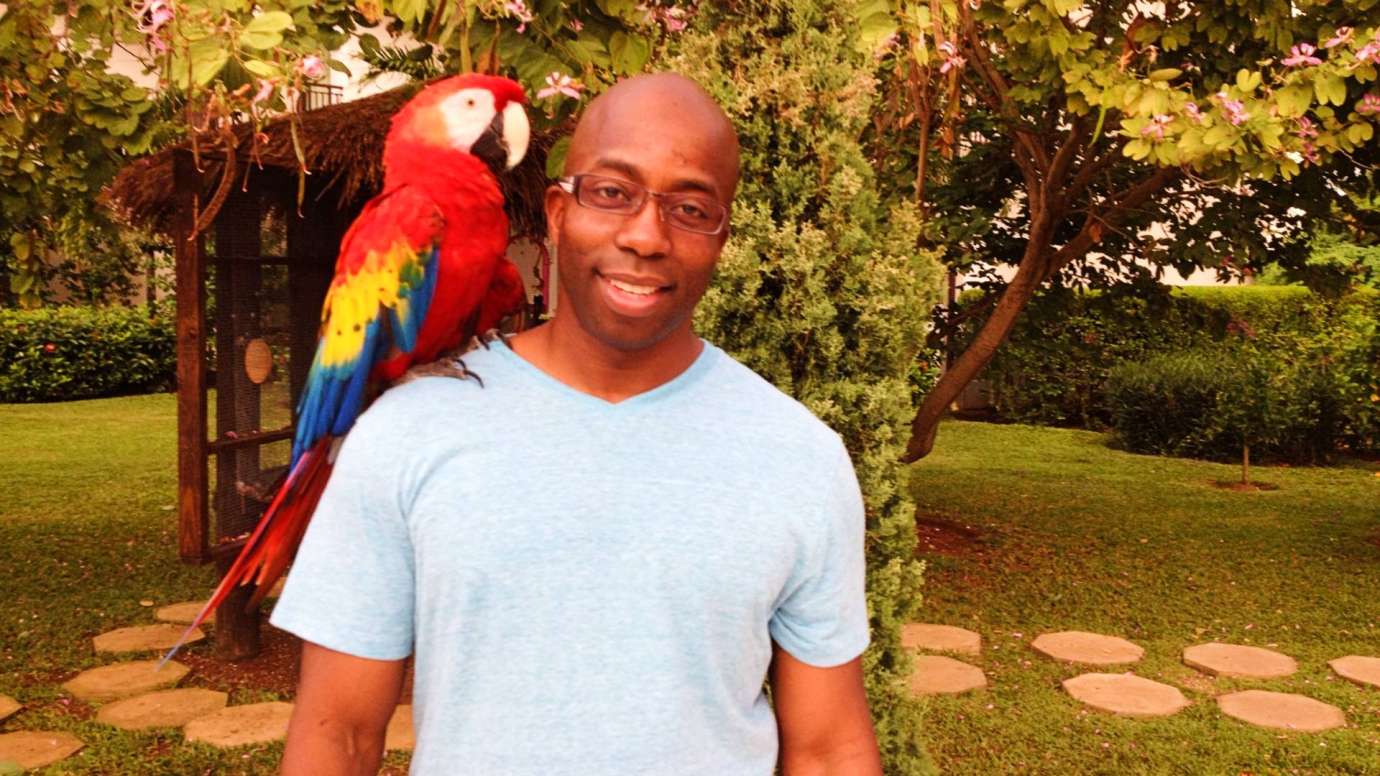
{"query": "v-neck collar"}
(709, 354)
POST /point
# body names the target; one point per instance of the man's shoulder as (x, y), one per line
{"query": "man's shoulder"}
(758, 405)
(434, 391)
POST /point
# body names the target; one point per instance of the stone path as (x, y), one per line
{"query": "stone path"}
(183, 613)
(8, 706)
(1220, 659)
(1126, 694)
(254, 723)
(936, 674)
(1090, 648)
(1283, 710)
(1353, 668)
(121, 680)
(37, 748)
(144, 638)
(165, 708)
(940, 638)
(1130, 695)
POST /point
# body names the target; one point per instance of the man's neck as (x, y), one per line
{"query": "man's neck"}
(571, 356)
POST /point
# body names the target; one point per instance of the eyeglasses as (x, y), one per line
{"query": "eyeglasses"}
(689, 210)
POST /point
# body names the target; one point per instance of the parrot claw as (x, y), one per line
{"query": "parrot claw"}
(442, 367)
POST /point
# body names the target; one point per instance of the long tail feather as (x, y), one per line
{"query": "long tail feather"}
(274, 541)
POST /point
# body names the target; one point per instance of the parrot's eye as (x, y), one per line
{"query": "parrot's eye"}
(469, 103)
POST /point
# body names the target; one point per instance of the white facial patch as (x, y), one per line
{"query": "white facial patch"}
(467, 114)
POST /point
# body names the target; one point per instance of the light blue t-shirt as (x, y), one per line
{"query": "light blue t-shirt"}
(589, 588)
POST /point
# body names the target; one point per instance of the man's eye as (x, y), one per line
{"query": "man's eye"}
(692, 210)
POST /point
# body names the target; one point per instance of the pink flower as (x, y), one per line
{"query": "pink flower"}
(1157, 126)
(1370, 104)
(1369, 53)
(1191, 109)
(312, 67)
(265, 91)
(1234, 109)
(1307, 129)
(1301, 54)
(1309, 151)
(49, 347)
(1341, 36)
(952, 60)
(674, 19)
(518, 10)
(576, 25)
(560, 83)
(152, 15)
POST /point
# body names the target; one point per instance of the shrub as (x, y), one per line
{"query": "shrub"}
(59, 354)
(821, 289)
(1055, 368)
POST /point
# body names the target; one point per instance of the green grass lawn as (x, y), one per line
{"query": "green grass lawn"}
(1050, 529)
(1054, 531)
(87, 531)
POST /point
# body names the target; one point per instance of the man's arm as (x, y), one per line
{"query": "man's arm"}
(822, 715)
(342, 711)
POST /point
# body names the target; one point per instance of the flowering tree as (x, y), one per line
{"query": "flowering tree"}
(67, 122)
(1052, 134)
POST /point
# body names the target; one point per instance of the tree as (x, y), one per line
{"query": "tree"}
(68, 123)
(821, 288)
(1052, 135)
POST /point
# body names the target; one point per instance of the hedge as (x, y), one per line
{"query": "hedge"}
(65, 353)
(1054, 369)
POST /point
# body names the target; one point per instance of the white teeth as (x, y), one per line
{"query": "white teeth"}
(632, 289)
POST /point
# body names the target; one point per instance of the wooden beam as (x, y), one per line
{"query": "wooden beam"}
(192, 514)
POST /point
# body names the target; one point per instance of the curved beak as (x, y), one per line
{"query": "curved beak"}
(516, 133)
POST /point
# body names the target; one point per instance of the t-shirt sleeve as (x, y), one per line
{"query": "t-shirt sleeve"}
(350, 588)
(822, 617)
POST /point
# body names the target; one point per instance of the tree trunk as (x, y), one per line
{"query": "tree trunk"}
(1029, 277)
(1245, 463)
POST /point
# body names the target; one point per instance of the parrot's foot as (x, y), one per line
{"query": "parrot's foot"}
(486, 339)
(446, 366)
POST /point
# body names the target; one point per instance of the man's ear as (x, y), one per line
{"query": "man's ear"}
(554, 205)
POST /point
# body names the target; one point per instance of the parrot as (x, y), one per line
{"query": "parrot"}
(420, 272)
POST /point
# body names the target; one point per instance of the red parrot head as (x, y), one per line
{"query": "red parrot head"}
(474, 114)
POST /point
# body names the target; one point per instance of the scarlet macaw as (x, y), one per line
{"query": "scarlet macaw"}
(421, 271)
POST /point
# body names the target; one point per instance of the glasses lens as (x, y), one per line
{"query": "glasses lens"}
(693, 212)
(609, 194)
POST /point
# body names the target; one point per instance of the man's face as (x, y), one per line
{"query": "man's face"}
(633, 280)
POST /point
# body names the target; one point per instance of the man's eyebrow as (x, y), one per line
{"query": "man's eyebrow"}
(681, 184)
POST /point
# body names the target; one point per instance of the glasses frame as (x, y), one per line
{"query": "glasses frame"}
(570, 184)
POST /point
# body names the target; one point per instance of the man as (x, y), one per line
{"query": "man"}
(598, 555)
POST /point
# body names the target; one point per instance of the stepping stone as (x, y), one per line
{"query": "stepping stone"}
(144, 638)
(1283, 710)
(940, 638)
(8, 706)
(1220, 659)
(1091, 648)
(121, 680)
(400, 734)
(1127, 694)
(166, 708)
(255, 723)
(935, 674)
(35, 749)
(182, 614)
(1355, 668)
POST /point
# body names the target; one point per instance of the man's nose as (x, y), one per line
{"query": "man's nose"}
(645, 232)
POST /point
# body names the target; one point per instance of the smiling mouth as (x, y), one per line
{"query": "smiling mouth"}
(633, 288)
(632, 298)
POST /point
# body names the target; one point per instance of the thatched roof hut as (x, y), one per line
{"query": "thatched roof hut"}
(341, 143)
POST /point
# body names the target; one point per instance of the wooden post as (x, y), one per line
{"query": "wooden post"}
(192, 516)
(237, 227)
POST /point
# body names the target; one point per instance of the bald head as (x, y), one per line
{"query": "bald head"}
(659, 108)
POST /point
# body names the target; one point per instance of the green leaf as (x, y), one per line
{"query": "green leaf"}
(261, 68)
(409, 11)
(261, 40)
(555, 157)
(1359, 133)
(269, 22)
(1165, 74)
(1293, 100)
(19, 243)
(1247, 80)
(1330, 88)
(1136, 149)
(630, 52)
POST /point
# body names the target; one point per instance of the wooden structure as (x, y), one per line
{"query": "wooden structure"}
(249, 289)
